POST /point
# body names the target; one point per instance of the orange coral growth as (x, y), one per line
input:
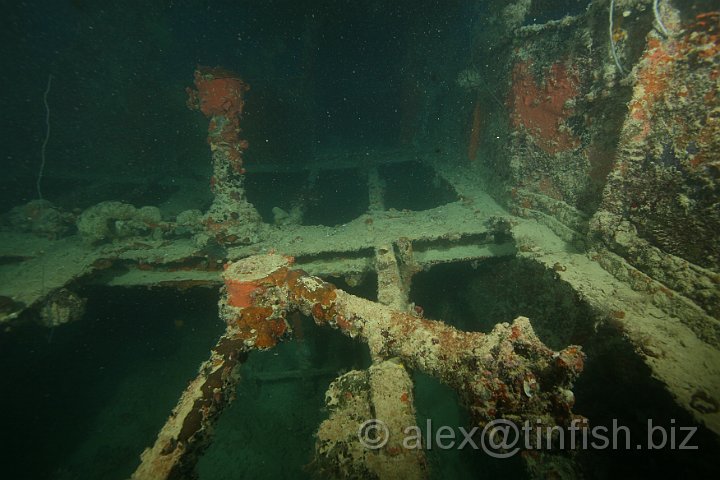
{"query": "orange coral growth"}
(658, 79)
(706, 28)
(343, 323)
(239, 294)
(541, 108)
(572, 358)
(474, 143)
(254, 324)
(219, 92)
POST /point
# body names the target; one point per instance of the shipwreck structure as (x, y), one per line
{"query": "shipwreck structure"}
(593, 152)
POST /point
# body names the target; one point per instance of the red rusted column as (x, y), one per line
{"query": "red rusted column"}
(219, 95)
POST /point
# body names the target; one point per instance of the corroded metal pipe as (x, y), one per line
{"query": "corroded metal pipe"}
(508, 373)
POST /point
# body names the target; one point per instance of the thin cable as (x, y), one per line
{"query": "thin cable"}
(47, 136)
(656, 11)
(612, 41)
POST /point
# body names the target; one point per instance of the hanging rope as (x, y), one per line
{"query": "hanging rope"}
(47, 137)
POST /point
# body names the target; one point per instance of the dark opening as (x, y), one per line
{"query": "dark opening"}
(337, 197)
(414, 186)
(615, 386)
(499, 290)
(83, 400)
(330, 198)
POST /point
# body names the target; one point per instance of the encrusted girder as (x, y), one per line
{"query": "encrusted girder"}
(508, 373)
